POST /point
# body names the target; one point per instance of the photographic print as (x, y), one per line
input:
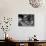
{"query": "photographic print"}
(25, 19)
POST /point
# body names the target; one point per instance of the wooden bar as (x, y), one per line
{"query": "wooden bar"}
(24, 42)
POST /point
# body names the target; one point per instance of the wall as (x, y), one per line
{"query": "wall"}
(11, 8)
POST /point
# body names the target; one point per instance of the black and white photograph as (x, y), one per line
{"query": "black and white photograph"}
(25, 19)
